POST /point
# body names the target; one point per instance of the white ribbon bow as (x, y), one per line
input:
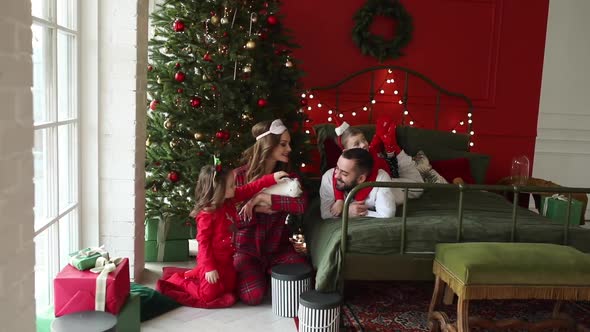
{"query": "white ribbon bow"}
(103, 266)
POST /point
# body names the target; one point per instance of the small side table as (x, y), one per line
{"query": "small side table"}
(523, 199)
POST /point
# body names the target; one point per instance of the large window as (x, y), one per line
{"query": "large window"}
(56, 151)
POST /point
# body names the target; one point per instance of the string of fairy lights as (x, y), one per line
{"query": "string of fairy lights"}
(309, 98)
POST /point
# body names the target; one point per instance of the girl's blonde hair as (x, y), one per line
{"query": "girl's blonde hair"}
(348, 133)
(210, 189)
(256, 155)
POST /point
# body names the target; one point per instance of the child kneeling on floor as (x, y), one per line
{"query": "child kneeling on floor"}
(212, 283)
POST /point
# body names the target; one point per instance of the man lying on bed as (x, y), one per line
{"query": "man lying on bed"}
(355, 166)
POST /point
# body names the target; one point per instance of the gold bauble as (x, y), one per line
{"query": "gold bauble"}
(205, 77)
(250, 44)
(247, 69)
(214, 19)
(199, 136)
(288, 64)
(168, 124)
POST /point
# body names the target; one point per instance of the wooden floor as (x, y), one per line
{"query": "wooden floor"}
(240, 317)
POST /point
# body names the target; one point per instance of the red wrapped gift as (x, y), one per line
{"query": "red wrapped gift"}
(76, 290)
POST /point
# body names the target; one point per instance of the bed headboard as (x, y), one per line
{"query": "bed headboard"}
(375, 81)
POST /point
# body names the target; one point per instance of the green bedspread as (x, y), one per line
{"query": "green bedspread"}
(431, 219)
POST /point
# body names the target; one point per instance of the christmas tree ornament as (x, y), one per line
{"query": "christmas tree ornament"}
(199, 136)
(288, 64)
(224, 20)
(272, 20)
(214, 19)
(178, 25)
(173, 176)
(175, 142)
(148, 142)
(303, 102)
(155, 189)
(150, 68)
(154, 104)
(219, 67)
(205, 78)
(195, 101)
(158, 80)
(213, 88)
(177, 65)
(247, 68)
(207, 57)
(179, 76)
(263, 35)
(169, 124)
(254, 18)
(225, 34)
(250, 44)
(180, 90)
(262, 102)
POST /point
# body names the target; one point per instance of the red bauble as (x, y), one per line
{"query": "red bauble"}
(173, 176)
(195, 101)
(154, 104)
(177, 65)
(219, 135)
(263, 12)
(225, 34)
(272, 20)
(265, 5)
(303, 102)
(220, 67)
(178, 26)
(207, 57)
(213, 87)
(179, 76)
(262, 102)
(150, 68)
(180, 90)
(226, 135)
(222, 135)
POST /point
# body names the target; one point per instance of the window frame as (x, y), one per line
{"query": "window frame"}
(59, 223)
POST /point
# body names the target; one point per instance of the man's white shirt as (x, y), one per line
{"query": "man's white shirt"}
(380, 203)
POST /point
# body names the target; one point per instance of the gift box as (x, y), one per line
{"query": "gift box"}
(555, 208)
(128, 319)
(166, 251)
(44, 319)
(85, 259)
(168, 230)
(105, 288)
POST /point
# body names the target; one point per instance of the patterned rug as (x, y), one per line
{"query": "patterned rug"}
(403, 307)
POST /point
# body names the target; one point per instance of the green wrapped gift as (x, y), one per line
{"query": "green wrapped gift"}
(128, 319)
(85, 259)
(168, 230)
(555, 208)
(44, 319)
(166, 251)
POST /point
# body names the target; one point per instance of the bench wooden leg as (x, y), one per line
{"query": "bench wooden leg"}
(449, 296)
(462, 315)
(434, 316)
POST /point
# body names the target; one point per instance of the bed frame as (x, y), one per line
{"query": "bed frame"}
(407, 265)
(418, 265)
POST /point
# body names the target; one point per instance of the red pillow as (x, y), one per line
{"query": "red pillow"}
(454, 168)
(332, 152)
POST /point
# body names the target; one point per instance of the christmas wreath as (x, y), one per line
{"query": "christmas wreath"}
(377, 46)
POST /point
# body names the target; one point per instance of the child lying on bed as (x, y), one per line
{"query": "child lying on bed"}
(387, 156)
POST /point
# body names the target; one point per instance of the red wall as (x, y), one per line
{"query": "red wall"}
(490, 50)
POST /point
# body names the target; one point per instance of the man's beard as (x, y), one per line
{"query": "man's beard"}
(340, 185)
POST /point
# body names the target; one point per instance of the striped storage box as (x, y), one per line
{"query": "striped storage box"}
(319, 312)
(288, 282)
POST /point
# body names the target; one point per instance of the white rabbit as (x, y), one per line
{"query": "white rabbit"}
(285, 187)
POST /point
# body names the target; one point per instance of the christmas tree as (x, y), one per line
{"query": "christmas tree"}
(216, 68)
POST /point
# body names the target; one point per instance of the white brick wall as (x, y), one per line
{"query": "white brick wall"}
(17, 304)
(122, 45)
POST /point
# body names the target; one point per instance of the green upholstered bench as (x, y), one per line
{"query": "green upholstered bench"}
(488, 270)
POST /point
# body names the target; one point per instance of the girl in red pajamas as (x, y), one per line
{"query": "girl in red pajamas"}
(212, 283)
(263, 240)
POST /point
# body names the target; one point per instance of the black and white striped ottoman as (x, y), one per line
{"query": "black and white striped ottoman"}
(288, 282)
(319, 312)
